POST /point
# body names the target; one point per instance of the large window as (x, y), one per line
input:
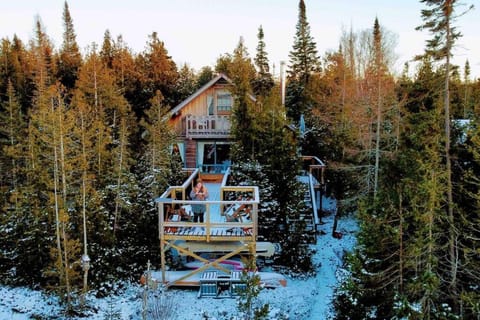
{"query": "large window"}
(214, 156)
(224, 102)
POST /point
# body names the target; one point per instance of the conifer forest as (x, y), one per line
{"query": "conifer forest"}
(85, 147)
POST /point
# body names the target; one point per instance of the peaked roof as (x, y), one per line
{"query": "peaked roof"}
(206, 86)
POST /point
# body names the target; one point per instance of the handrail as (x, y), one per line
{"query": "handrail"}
(172, 189)
(315, 166)
(167, 199)
(313, 199)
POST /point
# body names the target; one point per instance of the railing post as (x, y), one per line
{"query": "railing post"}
(207, 220)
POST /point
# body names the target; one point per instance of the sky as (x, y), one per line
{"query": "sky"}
(197, 32)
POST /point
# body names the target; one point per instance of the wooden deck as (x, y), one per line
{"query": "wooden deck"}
(225, 221)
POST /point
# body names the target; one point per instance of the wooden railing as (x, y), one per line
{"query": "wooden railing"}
(215, 226)
(207, 126)
(315, 169)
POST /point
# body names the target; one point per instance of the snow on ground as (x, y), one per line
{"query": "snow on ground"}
(302, 298)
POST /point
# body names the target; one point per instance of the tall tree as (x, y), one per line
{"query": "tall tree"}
(439, 18)
(303, 57)
(263, 82)
(12, 137)
(12, 133)
(159, 138)
(158, 72)
(69, 60)
(238, 66)
(303, 63)
(467, 105)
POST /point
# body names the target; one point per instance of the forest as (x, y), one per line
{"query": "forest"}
(85, 148)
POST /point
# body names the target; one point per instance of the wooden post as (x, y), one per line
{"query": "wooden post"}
(162, 238)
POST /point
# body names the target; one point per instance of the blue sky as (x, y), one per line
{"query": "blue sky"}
(198, 31)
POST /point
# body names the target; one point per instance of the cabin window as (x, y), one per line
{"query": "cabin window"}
(177, 151)
(224, 102)
(211, 111)
(214, 156)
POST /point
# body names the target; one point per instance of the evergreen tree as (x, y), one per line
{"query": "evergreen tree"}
(439, 19)
(239, 67)
(186, 82)
(469, 205)
(247, 303)
(467, 99)
(158, 72)
(107, 51)
(17, 67)
(274, 169)
(159, 137)
(12, 135)
(69, 60)
(204, 76)
(303, 57)
(263, 82)
(303, 63)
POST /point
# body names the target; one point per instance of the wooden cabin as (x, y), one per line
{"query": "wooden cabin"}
(202, 124)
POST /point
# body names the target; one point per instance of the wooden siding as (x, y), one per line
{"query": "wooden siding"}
(197, 107)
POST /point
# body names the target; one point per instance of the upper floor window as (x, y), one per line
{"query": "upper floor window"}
(224, 102)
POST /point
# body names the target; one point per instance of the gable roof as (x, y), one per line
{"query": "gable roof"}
(206, 86)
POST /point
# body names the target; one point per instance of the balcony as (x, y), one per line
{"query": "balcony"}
(207, 126)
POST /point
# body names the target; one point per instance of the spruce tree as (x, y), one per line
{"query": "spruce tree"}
(239, 67)
(439, 19)
(204, 76)
(303, 57)
(263, 82)
(186, 82)
(303, 63)
(69, 60)
(12, 135)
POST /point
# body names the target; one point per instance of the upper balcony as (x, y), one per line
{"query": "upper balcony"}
(215, 126)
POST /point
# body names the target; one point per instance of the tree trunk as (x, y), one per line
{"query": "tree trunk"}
(452, 247)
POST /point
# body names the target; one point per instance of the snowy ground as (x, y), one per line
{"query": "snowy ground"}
(302, 299)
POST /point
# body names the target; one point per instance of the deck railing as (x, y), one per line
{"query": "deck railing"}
(215, 226)
(207, 126)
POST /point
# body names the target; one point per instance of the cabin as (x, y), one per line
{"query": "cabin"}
(202, 123)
